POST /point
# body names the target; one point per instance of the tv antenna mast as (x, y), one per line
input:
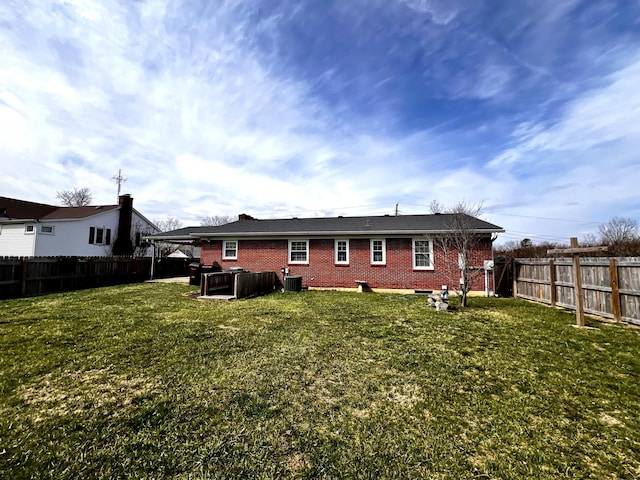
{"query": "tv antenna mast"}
(119, 179)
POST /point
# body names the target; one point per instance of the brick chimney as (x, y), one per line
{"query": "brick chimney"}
(244, 216)
(123, 244)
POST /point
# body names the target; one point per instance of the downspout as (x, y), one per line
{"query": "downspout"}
(486, 281)
(493, 271)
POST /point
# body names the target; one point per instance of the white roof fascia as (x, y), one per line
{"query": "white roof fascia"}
(18, 220)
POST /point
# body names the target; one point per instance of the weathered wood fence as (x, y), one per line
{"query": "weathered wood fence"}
(610, 286)
(31, 276)
(240, 285)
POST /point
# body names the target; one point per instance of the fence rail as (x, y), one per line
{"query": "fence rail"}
(610, 286)
(32, 276)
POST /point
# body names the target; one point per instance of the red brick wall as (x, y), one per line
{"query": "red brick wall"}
(272, 255)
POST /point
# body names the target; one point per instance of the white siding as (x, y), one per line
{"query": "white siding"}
(71, 237)
(14, 242)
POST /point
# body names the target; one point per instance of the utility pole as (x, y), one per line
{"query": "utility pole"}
(119, 179)
(396, 209)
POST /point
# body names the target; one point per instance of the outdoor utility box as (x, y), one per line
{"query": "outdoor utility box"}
(207, 269)
(194, 273)
(293, 283)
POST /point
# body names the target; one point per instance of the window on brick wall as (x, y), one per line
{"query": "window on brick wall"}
(342, 251)
(422, 254)
(230, 250)
(298, 251)
(378, 252)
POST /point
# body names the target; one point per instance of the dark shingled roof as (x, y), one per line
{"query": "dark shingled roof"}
(78, 212)
(379, 225)
(13, 209)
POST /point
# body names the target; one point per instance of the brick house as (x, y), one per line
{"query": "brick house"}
(387, 252)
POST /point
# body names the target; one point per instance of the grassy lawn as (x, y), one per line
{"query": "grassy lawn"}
(143, 381)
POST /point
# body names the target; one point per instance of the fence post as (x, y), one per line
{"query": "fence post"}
(615, 290)
(577, 284)
(515, 278)
(23, 284)
(552, 282)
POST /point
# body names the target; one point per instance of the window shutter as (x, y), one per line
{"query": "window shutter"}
(92, 234)
(108, 239)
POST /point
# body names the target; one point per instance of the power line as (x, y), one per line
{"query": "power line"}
(580, 222)
(497, 212)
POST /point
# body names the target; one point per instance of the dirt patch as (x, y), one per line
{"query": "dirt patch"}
(73, 392)
(406, 395)
(609, 420)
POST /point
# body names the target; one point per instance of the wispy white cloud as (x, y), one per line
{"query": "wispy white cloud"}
(441, 11)
(218, 108)
(605, 117)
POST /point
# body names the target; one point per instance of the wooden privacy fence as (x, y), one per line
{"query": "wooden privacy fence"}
(610, 286)
(31, 276)
(240, 285)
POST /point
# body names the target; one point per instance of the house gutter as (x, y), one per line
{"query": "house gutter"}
(355, 233)
(186, 238)
(19, 220)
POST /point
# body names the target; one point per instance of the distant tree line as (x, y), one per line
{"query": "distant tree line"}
(621, 235)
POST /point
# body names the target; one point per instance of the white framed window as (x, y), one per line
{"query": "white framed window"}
(341, 251)
(46, 229)
(29, 229)
(100, 235)
(378, 251)
(422, 254)
(299, 251)
(229, 249)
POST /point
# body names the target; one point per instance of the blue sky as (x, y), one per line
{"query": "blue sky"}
(316, 108)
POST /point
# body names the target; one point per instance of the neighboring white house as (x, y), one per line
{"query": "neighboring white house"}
(35, 229)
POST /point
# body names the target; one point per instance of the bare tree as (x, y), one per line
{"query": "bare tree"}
(457, 247)
(436, 207)
(167, 225)
(216, 220)
(618, 230)
(590, 240)
(78, 197)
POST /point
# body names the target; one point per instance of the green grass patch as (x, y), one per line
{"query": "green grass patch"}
(143, 381)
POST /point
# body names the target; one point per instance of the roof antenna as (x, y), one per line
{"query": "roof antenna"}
(119, 179)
